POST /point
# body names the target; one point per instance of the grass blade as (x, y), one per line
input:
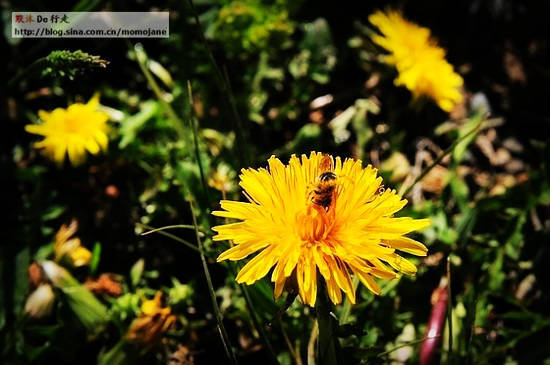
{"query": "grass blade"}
(223, 333)
(184, 226)
(229, 99)
(253, 315)
(194, 129)
(143, 61)
(169, 235)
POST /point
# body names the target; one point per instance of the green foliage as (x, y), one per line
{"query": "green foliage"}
(187, 114)
(251, 25)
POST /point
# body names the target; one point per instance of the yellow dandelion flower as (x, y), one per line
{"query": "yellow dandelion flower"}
(68, 246)
(420, 62)
(317, 214)
(72, 131)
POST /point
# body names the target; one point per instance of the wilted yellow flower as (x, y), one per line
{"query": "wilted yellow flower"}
(107, 284)
(317, 213)
(419, 60)
(152, 323)
(65, 246)
(72, 131)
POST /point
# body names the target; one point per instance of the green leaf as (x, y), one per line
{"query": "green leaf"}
(122, 353)
(53, 212)
(96, 256)
(131, 125)
(21, 284)
(137, 271)
(44, 252)
(460, 191)
(496, 274)
(514, 243)
(88, 309)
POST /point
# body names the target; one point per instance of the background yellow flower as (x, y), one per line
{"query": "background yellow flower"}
(71, 247)
(353, 231)
(419, 60)
(72, 131)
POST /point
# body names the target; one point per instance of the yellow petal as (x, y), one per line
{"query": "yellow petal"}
(369, 282)
(241, 250)
(401, 264)
(408, 245)
(258, 267)
(93, 103)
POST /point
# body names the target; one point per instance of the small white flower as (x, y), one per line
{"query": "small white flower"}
(40, 303)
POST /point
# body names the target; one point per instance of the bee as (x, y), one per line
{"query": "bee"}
(323, 191)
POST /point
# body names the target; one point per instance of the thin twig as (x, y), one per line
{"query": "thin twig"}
(311, 343)
(296, 358)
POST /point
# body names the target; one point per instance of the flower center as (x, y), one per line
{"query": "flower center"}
(314, 224)
(72, 124)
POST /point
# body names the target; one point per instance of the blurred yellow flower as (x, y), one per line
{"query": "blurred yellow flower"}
(222, 179)
(420, 62)
(152, 323)
(65, 246)
(318, 213)
(72, 131)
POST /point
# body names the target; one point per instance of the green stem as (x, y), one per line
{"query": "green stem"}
(346, 308)
(327, 346)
